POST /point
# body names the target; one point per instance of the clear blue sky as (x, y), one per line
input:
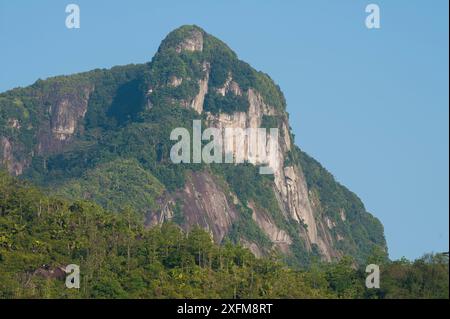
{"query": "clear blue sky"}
(370, 105)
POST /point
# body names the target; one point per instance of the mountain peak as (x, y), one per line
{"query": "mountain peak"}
(189, 56)
(192, 38)
(186, 37)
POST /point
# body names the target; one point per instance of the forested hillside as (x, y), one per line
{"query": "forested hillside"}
(120, 258)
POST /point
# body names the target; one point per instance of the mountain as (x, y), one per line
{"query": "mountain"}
(104, 136)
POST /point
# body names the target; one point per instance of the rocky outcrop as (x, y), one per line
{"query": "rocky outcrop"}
(193, 41)
(253, 247)
(174, 81)
(65, 108)
(47, 272)
(65, 118)
(199, 99)
(66, 113)
(278, 236)
(13, 165)
(229, 86)
(164, 213)
(342, 215)
(204, 202)
(295, 195)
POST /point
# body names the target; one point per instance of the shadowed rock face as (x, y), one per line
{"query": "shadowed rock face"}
(8, 160)
(279, 237)
(203, 194)
(67, 111)
(204, 203)
(51, 272)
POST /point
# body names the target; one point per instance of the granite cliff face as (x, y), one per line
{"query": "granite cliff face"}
(61, 114)
(14, 166)
(290, 186)
(193, 71)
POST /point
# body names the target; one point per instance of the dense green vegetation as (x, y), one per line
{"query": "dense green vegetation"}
(144, 140)
(119, 258)
(230, 103)
(116, 185)
(223, 62)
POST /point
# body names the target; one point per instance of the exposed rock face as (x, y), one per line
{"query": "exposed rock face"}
(197, 102)
(192, 42)
(8, 160)
(295, 194)
(324, 230)
(230, 86)
(203, 194)
(244, 120)
(290, 183)
(174, 81)
(164, 213)
(65, 119)
(253, 247)
(278, 236)
(66, 112)
(204, 203)
(14, 123)
(51, 272)
(286, 136)
(342, 215)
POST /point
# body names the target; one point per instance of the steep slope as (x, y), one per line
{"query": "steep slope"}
(66, 132)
